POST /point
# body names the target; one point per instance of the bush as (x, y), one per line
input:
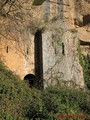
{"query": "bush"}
(86, 69)
(85, 63)
(86, 66)
(19, 102)
(66, 102)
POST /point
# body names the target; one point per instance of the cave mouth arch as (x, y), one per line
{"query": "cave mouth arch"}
(30, 78)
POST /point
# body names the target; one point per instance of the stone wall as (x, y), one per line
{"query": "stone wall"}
(60, 59)
(18, 56)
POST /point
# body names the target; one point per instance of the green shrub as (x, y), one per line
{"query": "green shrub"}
(86, 69)
(66, 102)
(85, 63)
(19, 102)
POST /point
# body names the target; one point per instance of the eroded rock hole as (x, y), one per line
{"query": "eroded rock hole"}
(7, 49)
(86, 19)
(30, 78)
(84, 43)
(63, 49)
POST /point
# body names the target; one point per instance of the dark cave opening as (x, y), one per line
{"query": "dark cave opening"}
(86, 19)
(31, 79)
(84, 43)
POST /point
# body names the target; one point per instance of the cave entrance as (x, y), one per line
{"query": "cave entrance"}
(86, 19)
(31, 79)
(84, 43)
(38, 59)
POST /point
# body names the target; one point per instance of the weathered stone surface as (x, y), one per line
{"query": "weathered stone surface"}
(58, 67)
(18, 55)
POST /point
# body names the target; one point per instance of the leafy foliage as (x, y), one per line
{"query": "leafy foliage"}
(19, 102)
(86, 69)
(85, 63)
(16, 98)
(66, 102)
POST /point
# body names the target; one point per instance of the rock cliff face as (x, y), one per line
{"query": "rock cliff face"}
(60, 59)
(43, 40)
(82, 24)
